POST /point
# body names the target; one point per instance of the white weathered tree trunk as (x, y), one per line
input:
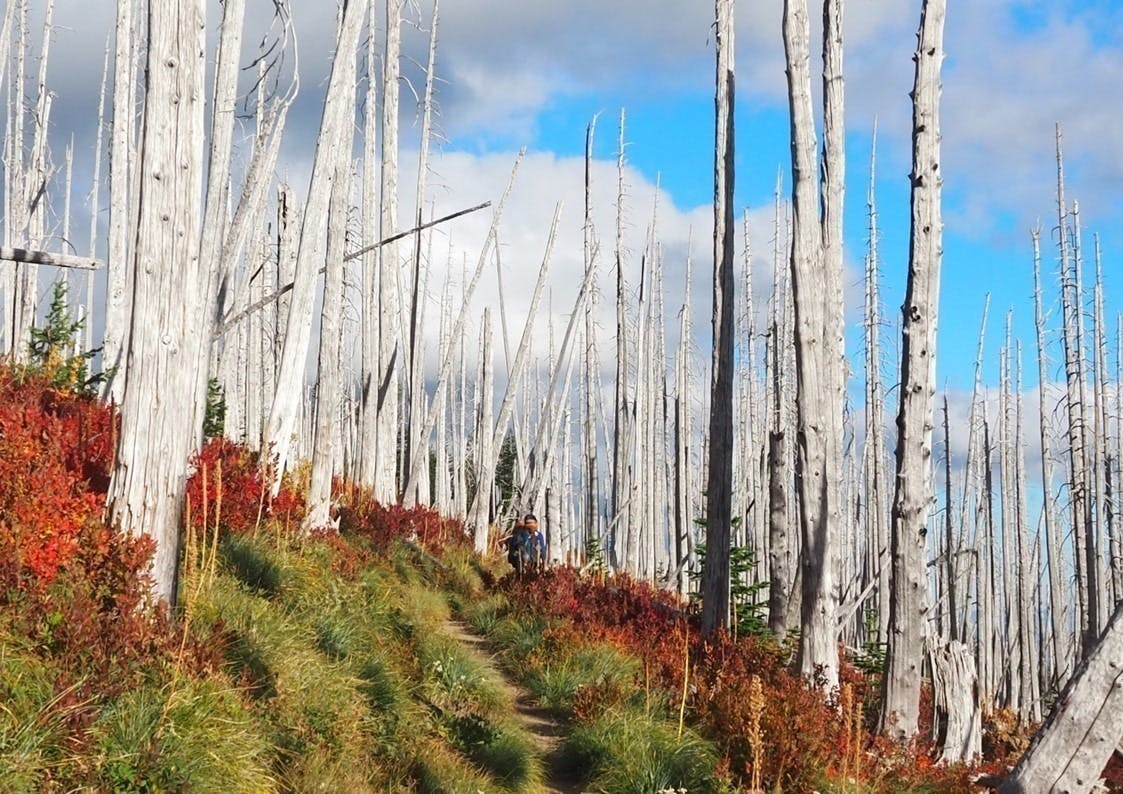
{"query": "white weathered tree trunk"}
(1083, 556)
(329, 384)
(1058, 604)
(216, 206)
(95, 208)
(485, 438)
(617, 524)
(719, 490)
(873, 454)
(478, 514)
(781, 548)
(1084, 728)
(816, 341)
(369, 350)
(913, 496)
(118, 299)
(390, 351)
(955, 690)
(415, 445)
(150, 470)
(339, 107)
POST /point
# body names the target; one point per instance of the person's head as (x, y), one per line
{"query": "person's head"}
(531, 522)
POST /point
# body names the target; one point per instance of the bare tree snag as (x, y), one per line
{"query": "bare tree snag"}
(913, 495)
(330, 381)
(339, 107)
(150, 469)
(119, 285)
(390, 351)
(1084, 728)
(719, 492)
(818, 469)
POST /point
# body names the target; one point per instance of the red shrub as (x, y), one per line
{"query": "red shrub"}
(360, 513)
(55, 456)
(229, 487)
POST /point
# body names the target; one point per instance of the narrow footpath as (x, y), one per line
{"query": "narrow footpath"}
(544, 729)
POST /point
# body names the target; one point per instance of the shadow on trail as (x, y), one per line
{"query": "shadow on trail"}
(546, 731)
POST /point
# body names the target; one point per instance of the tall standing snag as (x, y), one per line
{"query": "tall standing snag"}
(816, 266)
(719, 498)
(146, 493)
(913, 495)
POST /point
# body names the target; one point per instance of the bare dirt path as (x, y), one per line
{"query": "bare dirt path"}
(544, 729)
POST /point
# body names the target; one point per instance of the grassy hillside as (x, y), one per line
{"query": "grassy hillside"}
(325, 664)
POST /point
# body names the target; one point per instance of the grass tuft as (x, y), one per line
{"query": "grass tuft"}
(251, 565)
(628, 753)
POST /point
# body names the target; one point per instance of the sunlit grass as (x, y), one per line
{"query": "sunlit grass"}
(627, 753)
(184, 734)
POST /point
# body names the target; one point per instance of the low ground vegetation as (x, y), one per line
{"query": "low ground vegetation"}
(297, 663)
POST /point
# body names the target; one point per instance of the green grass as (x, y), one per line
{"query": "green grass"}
(503, 750)
(32, 718)
(626, 752)
(556, 682)
(186, 734)
(251, 565)
(484, 613)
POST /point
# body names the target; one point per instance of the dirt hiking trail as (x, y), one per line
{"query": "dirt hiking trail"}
(544, 729)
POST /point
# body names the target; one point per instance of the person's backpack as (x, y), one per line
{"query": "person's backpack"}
(514, 546)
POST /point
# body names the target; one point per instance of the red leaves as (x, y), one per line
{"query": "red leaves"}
(55, 457)
(230, 488)
(362, 515)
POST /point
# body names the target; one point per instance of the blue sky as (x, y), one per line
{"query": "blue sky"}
(531, 73)
(1013, 68)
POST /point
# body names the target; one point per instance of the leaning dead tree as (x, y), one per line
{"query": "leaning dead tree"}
(1085, 727)
(339, 107)
(913, 495)
(715, 578)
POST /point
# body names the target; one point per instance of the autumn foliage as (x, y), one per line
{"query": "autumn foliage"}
(74, 588)
(230, 488)
(804, 740)
(55, 453)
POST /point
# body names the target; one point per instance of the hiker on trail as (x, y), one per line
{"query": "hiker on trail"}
(535, 548)
(517, 544)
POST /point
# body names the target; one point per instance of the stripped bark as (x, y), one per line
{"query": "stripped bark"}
(913, 496)
(338, 112)
(146, 493)
(118, 299)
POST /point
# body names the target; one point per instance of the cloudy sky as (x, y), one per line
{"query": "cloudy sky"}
(532, 73)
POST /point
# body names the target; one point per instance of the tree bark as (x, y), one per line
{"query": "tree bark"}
(913, 496)
(150, 470)
(818, 468)
(339, 109)
(719, 489)
(1084, 728)
(118, 298)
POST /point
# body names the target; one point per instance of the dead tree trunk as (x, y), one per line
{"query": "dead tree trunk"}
(328, 384)
(781, 550)
(912, 497)
(1058, 605)
(817, 343)
(389, 323)
(339, 108)
(150, 469)
(119, 285)
(715, 576)
(1084, 728)
(1083, 555)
